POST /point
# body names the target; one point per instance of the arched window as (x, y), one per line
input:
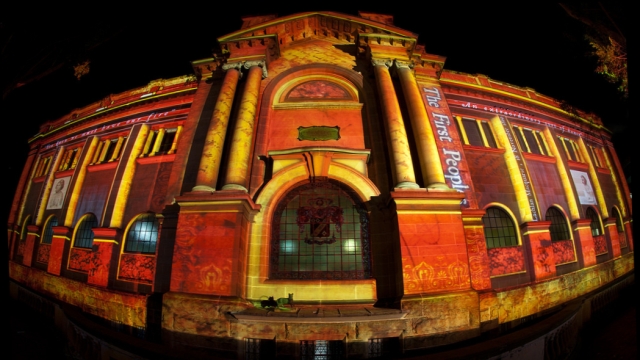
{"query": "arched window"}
(23, 231)
(142, 234)
(596, 229)
(83, 237)
(320, 231)
(618, 217)
(499, 228)
(559, 229)
(47, 234)
(622, 238)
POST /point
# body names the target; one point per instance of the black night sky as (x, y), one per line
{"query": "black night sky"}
(536, 46)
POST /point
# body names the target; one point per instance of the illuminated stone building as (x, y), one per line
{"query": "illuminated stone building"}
(326, 161)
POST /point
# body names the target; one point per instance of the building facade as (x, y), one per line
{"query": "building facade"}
(323, 186)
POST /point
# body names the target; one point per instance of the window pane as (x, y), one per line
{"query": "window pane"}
(570, 150)
(489, 134)
(499, 229)
(84, 234)
(596, 230)
(533, 144)
(48, 231)
(521, 140)
(319, 233)
(473, 133)
(143, 234)
(558, 229)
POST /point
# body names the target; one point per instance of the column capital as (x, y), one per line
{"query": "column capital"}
(233, 65)
(249, 64)
(382, 62)
(403, 64)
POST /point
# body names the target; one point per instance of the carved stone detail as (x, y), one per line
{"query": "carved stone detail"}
(249, 64)
(403, 64)
(386, 62)
(235, 65)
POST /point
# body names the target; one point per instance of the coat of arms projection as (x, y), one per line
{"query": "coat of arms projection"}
(320, 231)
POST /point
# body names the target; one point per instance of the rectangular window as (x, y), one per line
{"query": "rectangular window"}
(571, 149)
(488, 133)
(161, 142)
(476, 132)
(473, 132)
(109, 150)
(70, 159)
(43, 165)
(531, 141)
(598, 157)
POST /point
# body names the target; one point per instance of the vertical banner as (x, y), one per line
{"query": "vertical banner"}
(454, 164)
(522, 169)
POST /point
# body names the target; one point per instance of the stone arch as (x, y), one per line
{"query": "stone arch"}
(297, 169)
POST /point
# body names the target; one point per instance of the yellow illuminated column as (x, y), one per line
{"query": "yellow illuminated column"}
(48, 185)
(214, 142)
(80, 175)
(147, 144)
(397, 134)
(513, 168)
(616, 184)
(594, 177)
(423, 133)
(116, 151)
(158, 143)
(238, 170)
(125, 184)
(27, 187)
(567, 186)
(103, 153)
(174, 145)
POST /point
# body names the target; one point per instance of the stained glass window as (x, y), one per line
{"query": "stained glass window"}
(320, 232)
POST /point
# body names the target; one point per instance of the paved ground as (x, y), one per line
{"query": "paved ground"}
(610, 335)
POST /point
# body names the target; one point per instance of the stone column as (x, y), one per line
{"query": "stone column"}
(539, 251)
(48, 185)
(59, 249)
(593, 173)
(239, 156)
(479, 269)
(565, 177)
(122, 191)
(627, 233)
(33, 235)
(405, 176)
(14, 239)
(90, 147)
(174, 144)
(425, 140)
(214, 142)
(24, 184)
(584, 242)
(611, 235)
(104, 258)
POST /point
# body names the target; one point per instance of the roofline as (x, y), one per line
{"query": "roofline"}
(356, 19)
